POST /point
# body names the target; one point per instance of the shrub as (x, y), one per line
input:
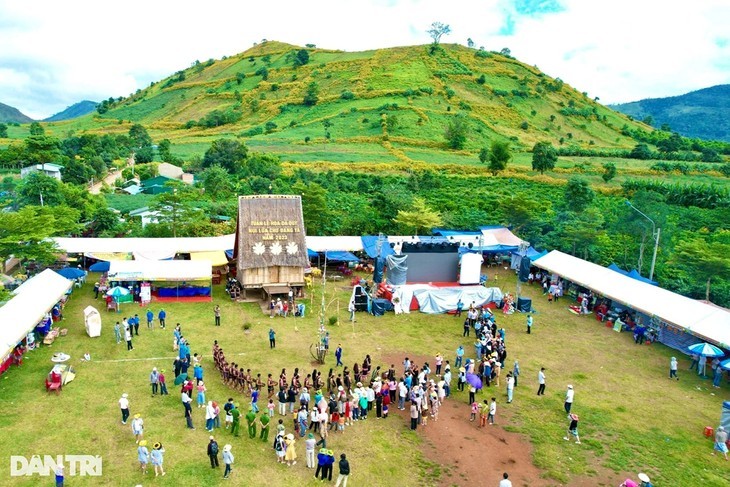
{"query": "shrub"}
(253, 131)
(332, 320)
(270, 127)
(347, 95)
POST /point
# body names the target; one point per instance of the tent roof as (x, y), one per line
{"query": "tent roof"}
(322, 244)
(341, 256)
(142, 245)
(159, 270)
(502, 235)
(370, 245)
(702, 320)
(216, 257)
(33, 299)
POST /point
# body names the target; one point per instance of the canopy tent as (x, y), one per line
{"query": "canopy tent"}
(322, 244)
(312, 254)
(160, 270)
(144, 245)
(217, 258)
(370, 245)
(340, 256)
(633, 274)
(441, 300)
(101, 266)
(154, 255)
(702, 320)
(92, 320)
(530, 253)
(32, 300)
(71, 273)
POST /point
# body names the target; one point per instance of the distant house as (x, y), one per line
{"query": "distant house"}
(170, 170)
(52, 170)
(146, 215)
(156, 185)
(132, 189)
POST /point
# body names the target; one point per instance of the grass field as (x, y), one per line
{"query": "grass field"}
(632, 417)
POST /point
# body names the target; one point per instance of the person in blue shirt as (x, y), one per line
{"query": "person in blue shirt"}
(459, 356)
(136, 324)
(161, 316)
(150, 318)
(272, 338)
(459, 307)
(338, 355)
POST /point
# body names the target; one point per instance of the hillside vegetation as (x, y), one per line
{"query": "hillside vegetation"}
(76, 110)
(259, 94)
(702, 113)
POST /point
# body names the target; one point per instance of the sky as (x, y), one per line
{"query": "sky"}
(55, 53)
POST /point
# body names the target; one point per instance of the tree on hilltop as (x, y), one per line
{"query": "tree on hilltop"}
(437, 30)
(455, 132)
(301, 58)
(311, 97)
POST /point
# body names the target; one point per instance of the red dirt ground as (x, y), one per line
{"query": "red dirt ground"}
(451, 440)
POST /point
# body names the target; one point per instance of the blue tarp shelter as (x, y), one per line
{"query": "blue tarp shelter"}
(312, 254)
(633, 274)
(530, 253)
(340, 256)
(102, 266)
(370, 245)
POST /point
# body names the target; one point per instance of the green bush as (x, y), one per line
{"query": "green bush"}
(347, 95)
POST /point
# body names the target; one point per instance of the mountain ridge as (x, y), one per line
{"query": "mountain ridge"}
(78, 109)
(701, 113)
(13, 115)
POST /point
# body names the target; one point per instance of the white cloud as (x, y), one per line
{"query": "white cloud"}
(56, 53)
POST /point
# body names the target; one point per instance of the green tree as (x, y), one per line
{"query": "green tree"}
(419, 218)
(314, 207)
(641, 151)
(470, 43)
(177, 213)
(703, 259)
(217, 182)
(609, 171)
(163, 149)
(578, 194)
(230, 154)
(264, 165)
(139, 136)
(499, 156)
(437, 30)
(301, 58)
(143, 155)
(25, 233)
(311, 97)
(455, 132)
(37, 129)
(105, 222)
(544, 157)
(37, 188)
(3, 131)
(484, 155)
(76, 171)
(519, 211)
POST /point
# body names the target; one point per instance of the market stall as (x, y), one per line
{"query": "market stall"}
(32, 304)
(168, 280)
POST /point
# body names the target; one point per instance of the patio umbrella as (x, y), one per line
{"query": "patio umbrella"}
(474, 381)
(725, 364)
(117, 291)
(102, 266)
(71, 272)
(706, 349)
(180, 378)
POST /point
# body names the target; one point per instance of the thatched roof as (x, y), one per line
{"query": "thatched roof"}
(270, 232)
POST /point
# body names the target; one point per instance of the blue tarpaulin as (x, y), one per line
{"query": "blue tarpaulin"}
(369, 244)
(229, 254)
(341, 256)
(102, 266)
(71, 272)
(633, 274)
(312, 254)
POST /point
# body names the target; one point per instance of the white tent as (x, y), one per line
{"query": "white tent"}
(322, 244)
(23, 312)
(148, 247)
(160, 270)
(705, 321)
(92, 318)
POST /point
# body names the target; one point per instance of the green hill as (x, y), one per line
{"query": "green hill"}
(12, 114)
(395, 100)
(702, 113)
(76, 110)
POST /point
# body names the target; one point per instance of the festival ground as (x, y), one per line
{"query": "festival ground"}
(632, 417)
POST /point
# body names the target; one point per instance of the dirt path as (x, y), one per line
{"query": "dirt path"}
(109, 179)
(471, 455)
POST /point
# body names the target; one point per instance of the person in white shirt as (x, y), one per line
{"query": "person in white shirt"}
(569, 399)
(124, 406)
(402, 393)
(505, 482)
(541, 381)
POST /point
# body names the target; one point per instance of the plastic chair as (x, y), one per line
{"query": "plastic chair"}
(55, 384)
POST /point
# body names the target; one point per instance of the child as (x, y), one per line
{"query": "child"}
(483, 413)
(270, 407)
(348, 413)
(385, 410)
(162, 383)
(573, 428)
(335, 420)
(143, 455)
(201, 394)
(492, 410)
(474, 411)
(341, 423)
